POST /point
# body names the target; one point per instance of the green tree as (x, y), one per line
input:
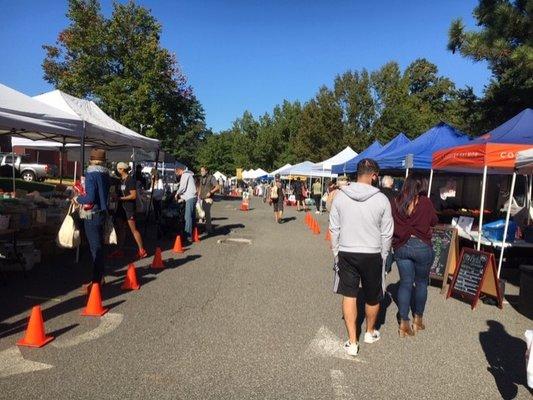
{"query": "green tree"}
(119, 63)
(505, 42)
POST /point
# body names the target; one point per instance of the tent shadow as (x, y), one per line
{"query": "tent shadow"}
(178, 262)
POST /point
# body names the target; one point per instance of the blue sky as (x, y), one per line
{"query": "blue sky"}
(250, 55)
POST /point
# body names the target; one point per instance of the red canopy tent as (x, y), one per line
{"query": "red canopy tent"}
(494, 152)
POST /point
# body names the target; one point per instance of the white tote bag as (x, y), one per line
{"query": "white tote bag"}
(110, 235)
(68, 236)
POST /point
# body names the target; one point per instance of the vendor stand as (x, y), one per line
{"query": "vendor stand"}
(492, 153)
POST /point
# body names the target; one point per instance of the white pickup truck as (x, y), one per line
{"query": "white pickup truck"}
(29, 171)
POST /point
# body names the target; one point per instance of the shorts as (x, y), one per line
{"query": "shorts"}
(125, 214)
(278, 204)
(300, 197)
(355, 268)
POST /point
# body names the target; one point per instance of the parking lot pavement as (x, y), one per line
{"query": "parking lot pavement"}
(252, 317)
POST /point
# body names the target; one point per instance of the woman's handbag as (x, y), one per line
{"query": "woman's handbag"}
(68, 236)
(199, 210)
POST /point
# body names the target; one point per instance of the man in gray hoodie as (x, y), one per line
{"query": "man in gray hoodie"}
(361, 228)
(187, 192)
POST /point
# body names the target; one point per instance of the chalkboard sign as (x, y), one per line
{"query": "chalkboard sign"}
(475, 273)
(446, 247)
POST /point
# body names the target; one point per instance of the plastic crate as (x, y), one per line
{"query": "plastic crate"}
(494, 231)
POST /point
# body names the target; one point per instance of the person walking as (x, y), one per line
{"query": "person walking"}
(276, 197)
(126, 208)
(414, 215)
(187, 193)
(317, 195)
(298, 194)
(361, 228)
(206, 190)
(96, 193)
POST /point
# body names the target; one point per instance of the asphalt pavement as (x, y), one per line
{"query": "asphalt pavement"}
(247, 319)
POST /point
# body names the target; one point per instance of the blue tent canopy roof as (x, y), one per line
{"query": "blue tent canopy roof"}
(399, 141)
(351, 165)
(518, 130)
(441, 136)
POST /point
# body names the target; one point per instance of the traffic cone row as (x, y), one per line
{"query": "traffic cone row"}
(314, 226)
(35, 335)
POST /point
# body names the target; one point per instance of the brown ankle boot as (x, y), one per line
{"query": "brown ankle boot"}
(418, 325)
(405, 329)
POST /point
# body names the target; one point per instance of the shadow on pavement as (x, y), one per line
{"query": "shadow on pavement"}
(505, 356)
(178, 262)
(285, 220)
(222, 230)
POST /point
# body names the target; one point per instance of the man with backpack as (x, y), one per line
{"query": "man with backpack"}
(276, 197)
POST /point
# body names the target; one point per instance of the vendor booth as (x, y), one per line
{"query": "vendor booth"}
(492, 153)
(31, 214)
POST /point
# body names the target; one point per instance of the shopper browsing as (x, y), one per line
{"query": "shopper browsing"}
(361, 228)
(414, 216)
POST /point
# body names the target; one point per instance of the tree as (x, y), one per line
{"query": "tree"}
(505, 42)
(120, 64)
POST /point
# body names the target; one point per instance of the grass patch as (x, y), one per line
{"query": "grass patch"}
(6, 184)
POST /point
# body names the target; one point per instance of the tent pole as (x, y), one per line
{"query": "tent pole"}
(507, 217)
(61, 152)
(75, 170)
(321, 192)
(482, 208)
(151, 194)
(528, 197)
(406, 172)
(430, 182)
(13, 169)
(82, 149)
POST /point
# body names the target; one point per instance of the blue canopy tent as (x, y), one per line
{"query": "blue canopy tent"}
(399, 141)
(439, 137)
(351, 165)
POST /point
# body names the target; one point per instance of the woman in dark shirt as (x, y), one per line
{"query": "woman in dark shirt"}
(126, 207)
(414, 216)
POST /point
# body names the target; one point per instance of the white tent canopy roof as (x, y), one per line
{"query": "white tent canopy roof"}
(219, 175)
(277, 171)
(23, 116)
(307, 168)
(345, 155)
(89, 112)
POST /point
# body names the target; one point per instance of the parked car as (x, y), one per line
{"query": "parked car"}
(29, 171)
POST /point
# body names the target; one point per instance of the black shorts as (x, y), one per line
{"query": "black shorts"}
(278, 204)
(299, 197)
(125, 213)
(367, 269)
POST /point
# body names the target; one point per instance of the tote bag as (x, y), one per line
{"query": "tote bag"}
(68, 236)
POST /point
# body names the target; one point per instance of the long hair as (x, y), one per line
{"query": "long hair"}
(414, 185)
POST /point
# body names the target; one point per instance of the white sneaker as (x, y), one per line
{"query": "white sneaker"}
(351, 348)
(317, 212)
(372, 337)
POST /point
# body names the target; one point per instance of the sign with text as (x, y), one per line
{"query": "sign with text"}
(446, 247)
(475, 274)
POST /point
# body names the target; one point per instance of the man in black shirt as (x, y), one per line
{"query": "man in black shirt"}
(206, 190)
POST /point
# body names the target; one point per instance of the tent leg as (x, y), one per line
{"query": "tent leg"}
(507, 217)
(430, 182)
(75, 170)
(406, 172)
(82, 149)
(321, 193)
(528, 202)
(482, 207)
(13, 169)
(151, 196)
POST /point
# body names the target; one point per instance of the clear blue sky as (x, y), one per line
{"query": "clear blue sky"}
(252, 54)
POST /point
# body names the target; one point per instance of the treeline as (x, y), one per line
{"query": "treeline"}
(358, 108)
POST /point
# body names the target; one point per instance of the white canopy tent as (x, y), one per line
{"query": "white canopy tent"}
(258, 173)
(345, 155)
(219, 175)
(524, 161)
(89, 112)
(277, 171)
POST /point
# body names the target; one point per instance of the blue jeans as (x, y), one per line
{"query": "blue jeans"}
(414, 260)
(94, 230)
(189, 217)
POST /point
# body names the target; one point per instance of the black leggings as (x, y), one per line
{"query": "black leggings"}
(317, 198)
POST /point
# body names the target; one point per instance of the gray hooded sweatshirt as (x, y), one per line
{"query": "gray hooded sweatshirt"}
(360, 220)
(187, 187)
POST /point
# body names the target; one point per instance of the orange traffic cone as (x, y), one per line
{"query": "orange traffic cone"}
(130, 282)
(177, 245)
(94, 306)
(195, 236)
(316, 227)
(35, 335)
(328, 235)
(157, 263)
